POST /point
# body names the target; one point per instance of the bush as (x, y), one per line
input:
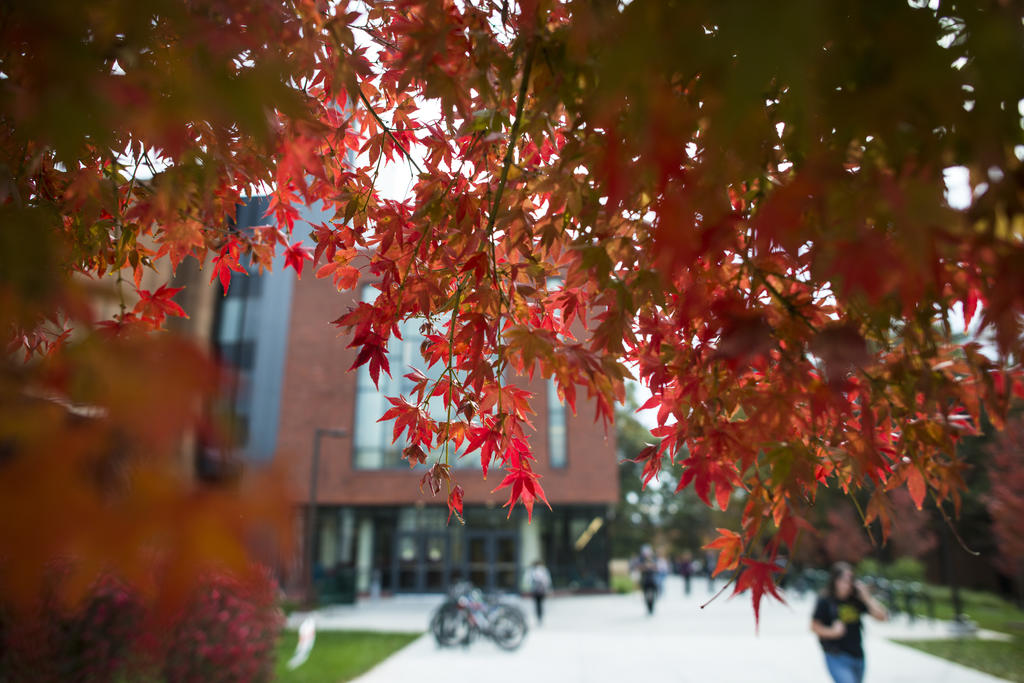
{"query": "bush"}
(906, 569)
(226, 632)
(903, 569)
(52, 642)
(623, 584)
(869, 566)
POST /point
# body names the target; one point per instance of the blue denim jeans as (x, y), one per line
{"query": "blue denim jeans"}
(845, 668)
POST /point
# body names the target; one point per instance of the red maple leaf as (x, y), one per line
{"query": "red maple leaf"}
(409, 416)
(435, 477)
(525, 487)
(344, 275)
(730, 546)
(970, 304)
(158, 305)
(327, 241)
(757, 576)
(916, 484)
(455, 503)
(225, 262)
(488, 439)
(374, 351)
(651, 457)
(415, 455)
(704, 471)
(296, 256)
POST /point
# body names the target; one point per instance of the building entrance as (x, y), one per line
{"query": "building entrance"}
(426, 556)
(492, 560)
(421, 561)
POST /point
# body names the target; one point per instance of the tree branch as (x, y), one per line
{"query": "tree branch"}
(496, 202)
(380, 122)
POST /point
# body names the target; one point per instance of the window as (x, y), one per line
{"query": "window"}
(239, 354)
(237, 329)
(235, 344)
(557, 452)
(372, 439)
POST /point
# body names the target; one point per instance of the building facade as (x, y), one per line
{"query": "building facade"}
(295, 398)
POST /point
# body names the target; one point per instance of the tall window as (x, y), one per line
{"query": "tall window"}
(372, 439)
(374, 449)
(557, 451)
(249, 337)
(235, 343)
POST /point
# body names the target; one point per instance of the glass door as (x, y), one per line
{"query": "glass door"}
(435, 562)
(407, 562)
(492, 560)
(421, 562)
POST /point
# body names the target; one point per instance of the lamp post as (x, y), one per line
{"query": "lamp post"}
(314, 471)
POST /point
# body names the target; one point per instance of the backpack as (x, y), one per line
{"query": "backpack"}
(539, 580)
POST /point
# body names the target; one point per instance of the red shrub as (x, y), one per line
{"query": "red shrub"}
(226, 632)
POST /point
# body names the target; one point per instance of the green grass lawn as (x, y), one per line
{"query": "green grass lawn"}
(999, 658)
(1002, 659)
(338, 655)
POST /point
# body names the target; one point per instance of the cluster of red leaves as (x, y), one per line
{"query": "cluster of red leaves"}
(755, 223)
(787, 313)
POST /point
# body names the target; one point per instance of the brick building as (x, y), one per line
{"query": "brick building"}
(371, 519)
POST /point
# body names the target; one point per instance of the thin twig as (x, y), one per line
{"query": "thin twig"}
(756, 272)
(721, 590)
(380, 122)
(949, 524)
(496, 202)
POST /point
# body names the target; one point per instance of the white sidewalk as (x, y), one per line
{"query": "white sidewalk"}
(588, 639)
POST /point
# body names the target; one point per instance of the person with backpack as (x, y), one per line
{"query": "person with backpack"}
(538, 582)
(648, 567)
(836, 622)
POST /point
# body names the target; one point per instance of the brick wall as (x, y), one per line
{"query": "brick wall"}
(318, 392)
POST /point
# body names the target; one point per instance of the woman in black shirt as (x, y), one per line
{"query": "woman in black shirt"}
(836, 622)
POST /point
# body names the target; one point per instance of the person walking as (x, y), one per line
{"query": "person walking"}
(836, 622)
(648, 567)
(661, 568)
(538, 582)
(710, 562)
(685, 569)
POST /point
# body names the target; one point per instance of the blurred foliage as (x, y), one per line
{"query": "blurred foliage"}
(905, 569)
(225, 630)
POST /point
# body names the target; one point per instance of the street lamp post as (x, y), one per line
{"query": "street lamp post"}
(314, 471)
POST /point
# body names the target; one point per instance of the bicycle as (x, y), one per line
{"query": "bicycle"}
(467, 613)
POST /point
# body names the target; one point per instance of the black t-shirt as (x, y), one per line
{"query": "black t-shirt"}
(848, 611)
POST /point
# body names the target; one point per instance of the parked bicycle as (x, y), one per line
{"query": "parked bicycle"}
(467, 613)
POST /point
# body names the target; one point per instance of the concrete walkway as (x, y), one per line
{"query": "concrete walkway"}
(588, 639)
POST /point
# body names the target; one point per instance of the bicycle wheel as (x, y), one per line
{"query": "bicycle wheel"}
(450, 626)
(508, 627)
